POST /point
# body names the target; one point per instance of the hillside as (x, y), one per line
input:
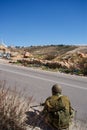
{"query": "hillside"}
(64, 58)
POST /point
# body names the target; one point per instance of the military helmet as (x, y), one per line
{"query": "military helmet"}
(56, 88)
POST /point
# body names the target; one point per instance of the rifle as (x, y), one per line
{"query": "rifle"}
(32, 107)
(41, 104)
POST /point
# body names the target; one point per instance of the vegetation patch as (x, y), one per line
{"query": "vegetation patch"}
(13, 106)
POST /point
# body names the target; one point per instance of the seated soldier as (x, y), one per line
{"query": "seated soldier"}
(57, 109)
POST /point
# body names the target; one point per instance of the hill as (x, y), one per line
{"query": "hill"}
(64, 58)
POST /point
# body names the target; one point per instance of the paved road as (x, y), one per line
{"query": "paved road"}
(38, 84)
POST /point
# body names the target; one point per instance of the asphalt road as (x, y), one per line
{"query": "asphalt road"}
(38, 83)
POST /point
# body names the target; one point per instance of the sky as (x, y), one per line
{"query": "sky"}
(43, 22)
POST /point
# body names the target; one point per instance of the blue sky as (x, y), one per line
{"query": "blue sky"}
(43, 22)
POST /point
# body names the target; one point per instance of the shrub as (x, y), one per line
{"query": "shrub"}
(50, 57)
(12, 108)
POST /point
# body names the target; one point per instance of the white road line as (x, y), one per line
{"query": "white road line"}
(32, 76)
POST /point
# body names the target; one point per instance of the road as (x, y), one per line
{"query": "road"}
(38, 83)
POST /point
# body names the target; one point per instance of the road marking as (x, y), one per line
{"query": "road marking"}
(54, 81)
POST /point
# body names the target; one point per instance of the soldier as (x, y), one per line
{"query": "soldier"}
(57, 109)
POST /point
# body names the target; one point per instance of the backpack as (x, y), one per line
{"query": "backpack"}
(58, 108)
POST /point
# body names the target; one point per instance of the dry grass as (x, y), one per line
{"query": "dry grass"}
(12, 109)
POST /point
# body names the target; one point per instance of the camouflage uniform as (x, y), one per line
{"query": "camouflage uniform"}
(57, 110)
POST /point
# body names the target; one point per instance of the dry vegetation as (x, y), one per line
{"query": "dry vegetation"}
(63, 58)
(13, 106)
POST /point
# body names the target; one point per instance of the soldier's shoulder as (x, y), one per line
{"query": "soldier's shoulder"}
(64, 97)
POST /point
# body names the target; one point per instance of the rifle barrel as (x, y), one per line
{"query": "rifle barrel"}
(34, 106)
(41, 104)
